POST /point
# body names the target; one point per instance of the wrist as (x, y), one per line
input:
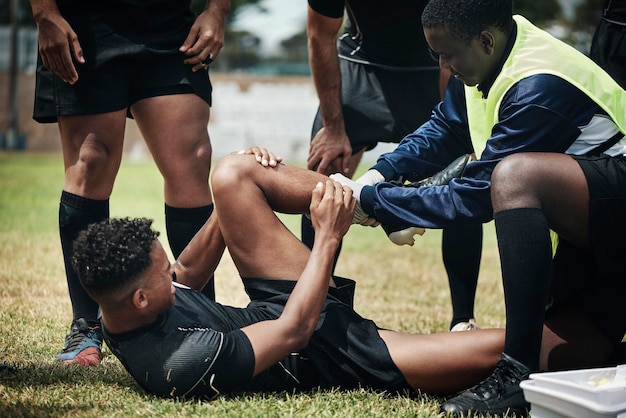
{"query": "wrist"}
(371, 177)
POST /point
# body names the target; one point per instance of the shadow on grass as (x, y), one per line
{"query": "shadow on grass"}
(54, 390)
(24, 374)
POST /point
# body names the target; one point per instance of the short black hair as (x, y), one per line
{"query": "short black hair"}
(467, 18)
(110, 254)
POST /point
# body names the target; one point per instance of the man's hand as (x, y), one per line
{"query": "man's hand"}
(206, 37)
(58, 44)
(332, 206)
(329, 152)
(262, 155)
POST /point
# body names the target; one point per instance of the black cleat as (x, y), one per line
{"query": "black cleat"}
(499, 394)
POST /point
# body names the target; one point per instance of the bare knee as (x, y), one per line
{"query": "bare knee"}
(231, 171)
(92, 170)
(512, 183)
(93, 153)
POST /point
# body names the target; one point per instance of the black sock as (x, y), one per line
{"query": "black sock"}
(526, 259)
(307, 233)
(75, 214)
(182, 224)
(462, 249)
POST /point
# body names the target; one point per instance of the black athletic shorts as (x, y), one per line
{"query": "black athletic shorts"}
(131, 53)
(608, 49)
(597, 279)
(383, 104)
(345, 350)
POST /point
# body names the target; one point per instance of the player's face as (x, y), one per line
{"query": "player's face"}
(469, 62)
(159, 285)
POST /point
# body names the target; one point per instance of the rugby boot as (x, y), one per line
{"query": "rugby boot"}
(499, 394)
(83, 344)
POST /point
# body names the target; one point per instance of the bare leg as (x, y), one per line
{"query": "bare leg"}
(307, 233)
(253, 233)
(175, 130)
(567, 337)
(445, 362)
(554, 183)
(92, 152)
(530, 193)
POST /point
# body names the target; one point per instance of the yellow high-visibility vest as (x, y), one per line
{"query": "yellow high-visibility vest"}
(537, 52)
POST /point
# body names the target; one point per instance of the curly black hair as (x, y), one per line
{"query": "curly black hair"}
(109, 254)
(467, 18)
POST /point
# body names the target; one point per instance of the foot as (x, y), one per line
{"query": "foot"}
(83, 344)
(499, 394)
(468, 325)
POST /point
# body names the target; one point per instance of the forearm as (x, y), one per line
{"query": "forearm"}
(305, 303)
(219, 8)
(322, 43)
(43, 8)
(197, 263)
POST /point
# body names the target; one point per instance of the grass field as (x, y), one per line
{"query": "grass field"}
(399, 287)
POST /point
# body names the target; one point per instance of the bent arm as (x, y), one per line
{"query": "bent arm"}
(331, 212)
(198, 261)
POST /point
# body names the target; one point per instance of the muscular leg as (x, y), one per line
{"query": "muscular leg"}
(530, 193)
(175, 130)
(92, 151)
(306, 229)
(252, 231)
(445, 362)
(566, 340)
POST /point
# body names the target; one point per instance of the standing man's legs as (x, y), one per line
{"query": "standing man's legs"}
(175, 130)
(92, 151)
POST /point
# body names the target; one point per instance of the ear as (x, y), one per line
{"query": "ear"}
(140, 299)
(487, 42)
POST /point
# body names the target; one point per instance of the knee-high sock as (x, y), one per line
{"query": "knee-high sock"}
(526, 259)
(462, 249)
(308, 237)
(182, 224)
(75, 214)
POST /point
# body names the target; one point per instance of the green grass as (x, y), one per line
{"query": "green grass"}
(399, 287)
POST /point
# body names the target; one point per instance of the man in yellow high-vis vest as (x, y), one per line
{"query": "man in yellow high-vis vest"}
(516, 89)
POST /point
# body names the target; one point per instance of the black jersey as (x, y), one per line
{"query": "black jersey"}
(380, 32)
(196, 348)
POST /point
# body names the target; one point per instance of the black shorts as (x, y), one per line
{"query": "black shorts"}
(382, 104)
(126, 61)
(608, 49)
(597, 279)
(345, 350)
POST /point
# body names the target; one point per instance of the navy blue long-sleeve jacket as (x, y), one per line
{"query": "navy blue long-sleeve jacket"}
(541, 113)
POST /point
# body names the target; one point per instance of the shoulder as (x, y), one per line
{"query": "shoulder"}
(551, 92)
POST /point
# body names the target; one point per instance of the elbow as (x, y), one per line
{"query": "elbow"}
(299, 334)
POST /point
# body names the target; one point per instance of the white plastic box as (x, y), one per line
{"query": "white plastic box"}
(591, 393)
